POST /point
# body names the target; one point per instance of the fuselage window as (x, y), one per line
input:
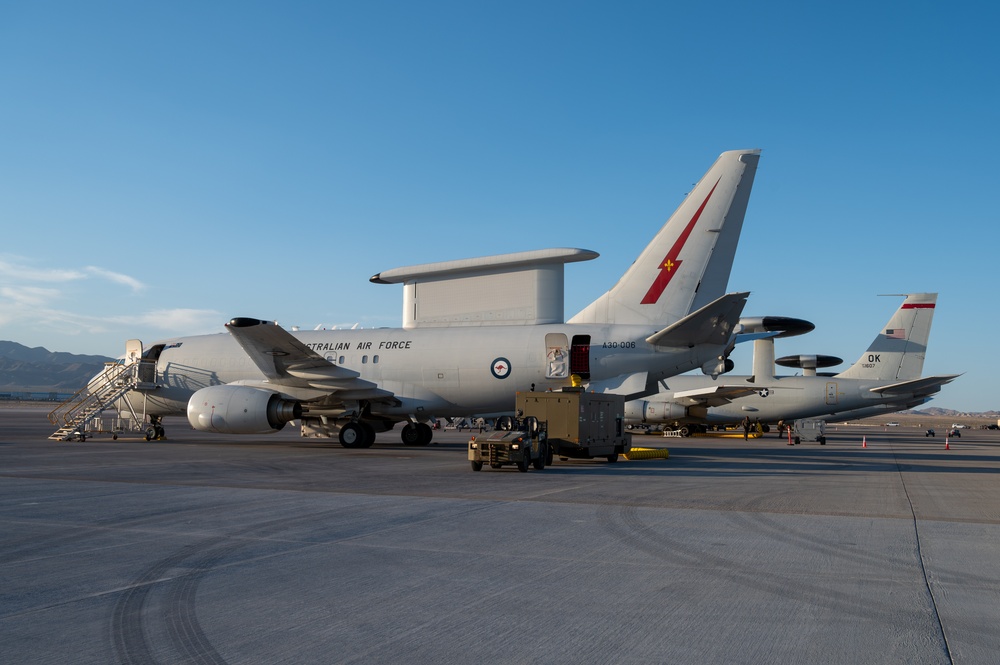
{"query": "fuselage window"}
(341, 360)
(374, 359)
(364, 360)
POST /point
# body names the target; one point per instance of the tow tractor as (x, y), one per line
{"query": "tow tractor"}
(521, 441)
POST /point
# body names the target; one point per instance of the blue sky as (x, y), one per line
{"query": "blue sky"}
(167, 166)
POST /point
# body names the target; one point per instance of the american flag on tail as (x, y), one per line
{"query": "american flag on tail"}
(895, 333)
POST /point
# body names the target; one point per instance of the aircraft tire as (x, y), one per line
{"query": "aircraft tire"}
(410, 435)
(426, 434)
(369, 435)
(150, 433)
(539, 462)
(351, 435)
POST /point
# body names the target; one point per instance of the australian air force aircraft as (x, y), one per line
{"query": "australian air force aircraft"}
(474, 332)
(885, 378)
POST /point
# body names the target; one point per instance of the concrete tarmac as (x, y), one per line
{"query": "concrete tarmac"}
(276, 549)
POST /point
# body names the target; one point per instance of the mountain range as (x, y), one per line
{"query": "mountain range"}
(24, 369)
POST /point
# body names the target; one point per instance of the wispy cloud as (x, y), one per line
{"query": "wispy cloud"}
(187, 321)
(26, 273)
(17, 269)
(29, 296)
(116, 277)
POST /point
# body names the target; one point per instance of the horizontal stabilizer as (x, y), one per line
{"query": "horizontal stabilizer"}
(712, 324)
(923, 386)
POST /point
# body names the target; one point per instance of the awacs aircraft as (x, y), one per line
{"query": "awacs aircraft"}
(885, 378)
(474, 332)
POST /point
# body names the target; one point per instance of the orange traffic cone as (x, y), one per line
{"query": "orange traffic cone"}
(864, 442)
(946, 446)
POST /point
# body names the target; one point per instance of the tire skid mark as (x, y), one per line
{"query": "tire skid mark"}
(129, 637)
(625, 523)
(753, 515)
(35, 546)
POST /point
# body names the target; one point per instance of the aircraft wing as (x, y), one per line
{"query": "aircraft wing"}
(922, 386)
(716, 395)
(286, 361)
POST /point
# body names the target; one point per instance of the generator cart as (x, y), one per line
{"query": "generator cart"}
(579, 424)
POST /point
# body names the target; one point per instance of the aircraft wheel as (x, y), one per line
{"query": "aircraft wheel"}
(410, 435)
(476, 466)
(685, 431)
(369, 435)
(150, 433)
(426, 434)
(351, 435)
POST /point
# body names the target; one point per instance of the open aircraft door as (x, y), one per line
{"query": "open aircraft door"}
(556, 356)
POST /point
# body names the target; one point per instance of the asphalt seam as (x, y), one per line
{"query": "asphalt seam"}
(920, 558)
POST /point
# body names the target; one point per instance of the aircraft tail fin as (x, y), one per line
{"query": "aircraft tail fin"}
(898, 351)
(687, 264)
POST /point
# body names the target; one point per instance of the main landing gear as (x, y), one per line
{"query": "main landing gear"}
(357, 434)
(360, 434)
(416, 434)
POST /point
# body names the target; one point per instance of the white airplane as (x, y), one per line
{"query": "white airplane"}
(886, 378)
(475, 332)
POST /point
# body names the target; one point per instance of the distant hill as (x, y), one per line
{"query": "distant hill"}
(24, 369)
(950, 413)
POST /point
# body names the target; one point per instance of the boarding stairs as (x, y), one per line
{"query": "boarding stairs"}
(83, 413)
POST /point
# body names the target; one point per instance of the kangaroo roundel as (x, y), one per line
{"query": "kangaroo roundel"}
(501, 368)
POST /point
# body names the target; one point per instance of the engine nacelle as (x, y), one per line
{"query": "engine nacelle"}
(717, 366)
(240, 410)
(641, 411)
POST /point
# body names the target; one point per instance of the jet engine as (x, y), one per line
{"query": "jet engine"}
(717, 366)
(240, 410)
(641, 411)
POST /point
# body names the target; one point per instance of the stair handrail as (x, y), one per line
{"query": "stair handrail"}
(114, 376)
